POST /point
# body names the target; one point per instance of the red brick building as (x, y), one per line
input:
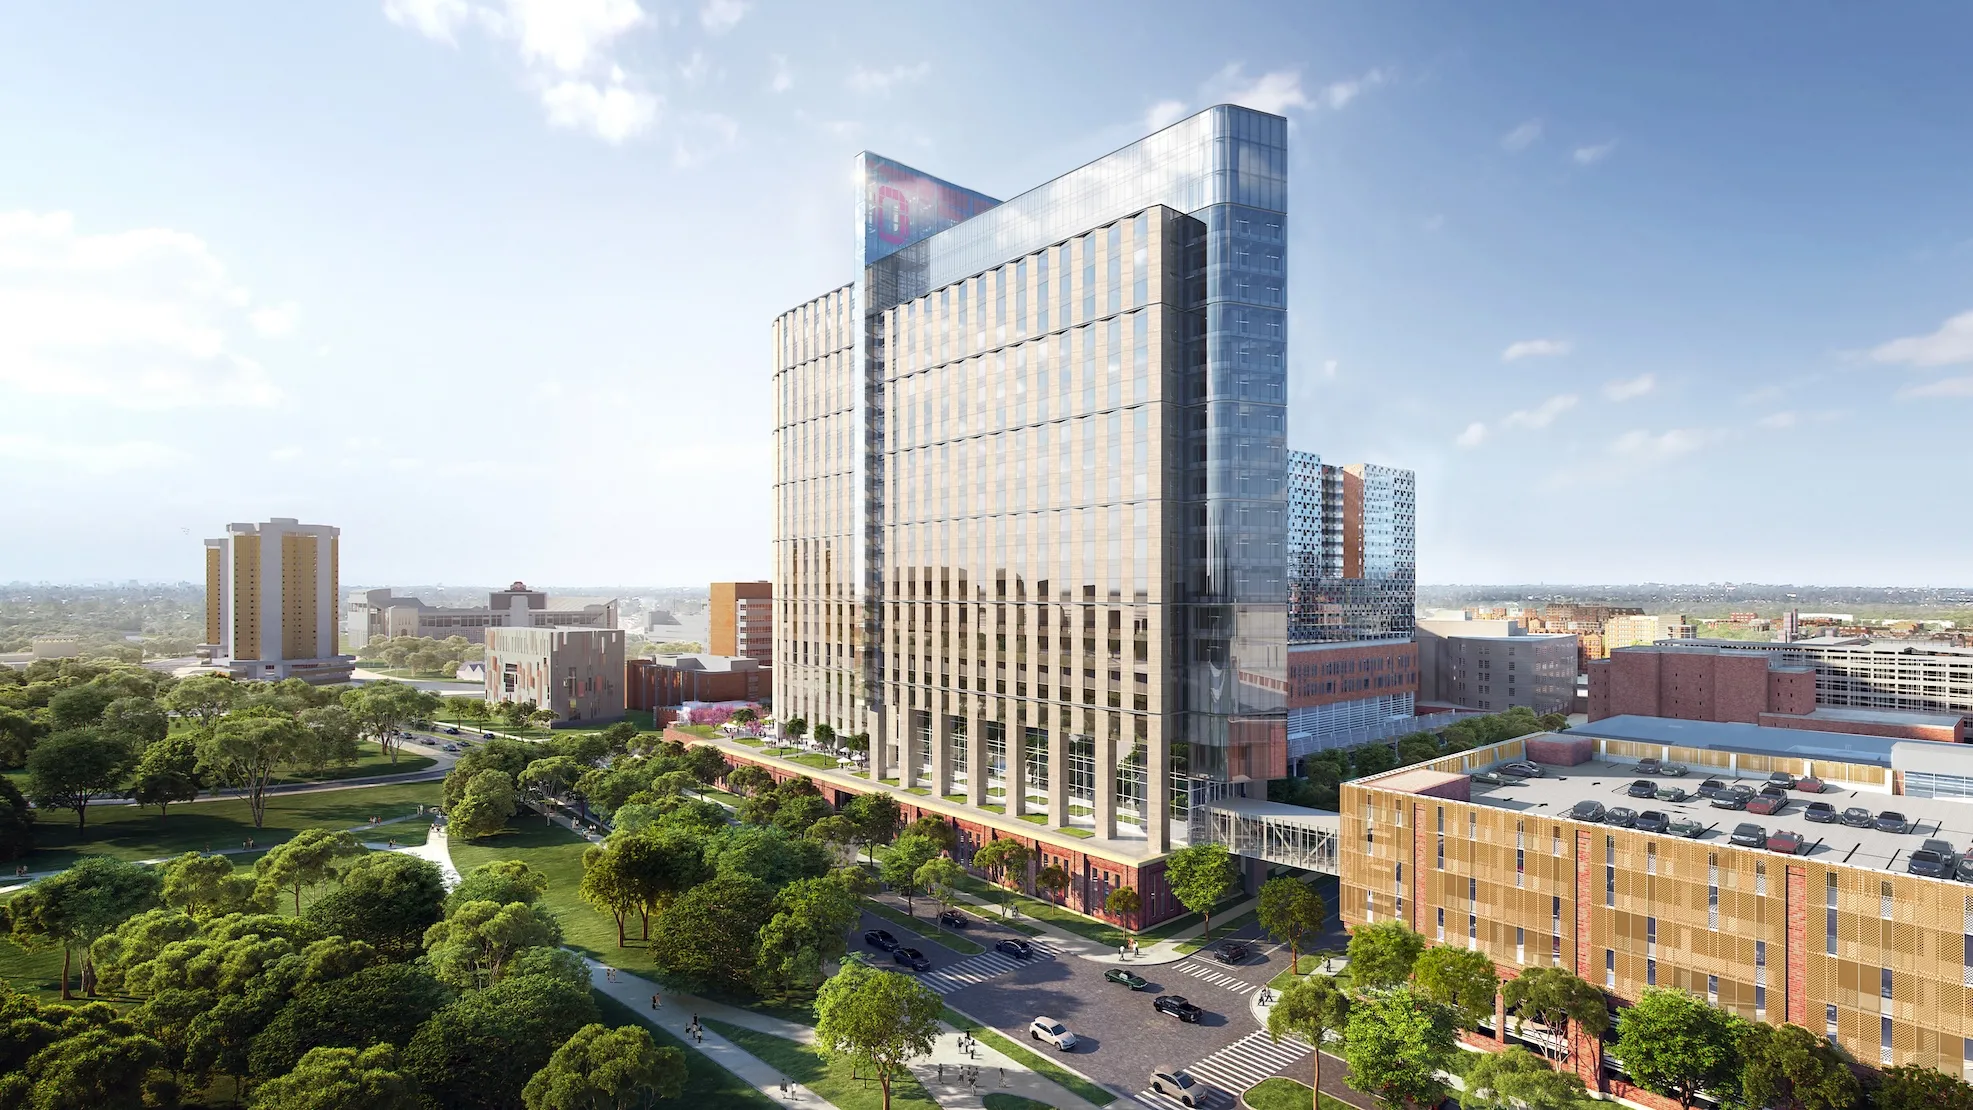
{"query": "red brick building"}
(1708, 684)
(672, 680)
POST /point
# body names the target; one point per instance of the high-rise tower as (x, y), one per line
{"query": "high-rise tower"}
(1030, 485)
(271, 592)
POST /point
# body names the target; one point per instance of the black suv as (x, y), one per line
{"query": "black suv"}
(1232, 952)
(880, 939)
(1178, 1007)
(1748, 836)
(952, 919)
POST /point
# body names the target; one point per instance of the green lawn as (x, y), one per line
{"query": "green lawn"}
(557, 853)
(131, 832)
(370, 760)
(1107, 935)
(703, 732)
(1304, 965)
(1281, 1093)
(1040, 1065)
(1186, 921)
(805, 1065)
(706, 1083)
(924, 928)
(1001, 1100)
(814, 759)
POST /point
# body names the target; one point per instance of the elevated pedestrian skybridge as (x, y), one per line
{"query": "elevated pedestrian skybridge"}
(1274, 831)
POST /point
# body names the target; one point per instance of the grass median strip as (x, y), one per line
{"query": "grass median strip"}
(836, 1082)
(1040, 1065)
(923, 928)
(1222, 930)
(1107, 935)
(1282, 1093)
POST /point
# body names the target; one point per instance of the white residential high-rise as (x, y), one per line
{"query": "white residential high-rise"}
(271, 592)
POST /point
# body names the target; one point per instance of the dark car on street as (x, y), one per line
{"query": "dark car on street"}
(1129, 979)
(1822, 813)
(1643, 788)
(1858, 817)
(1651, 821)
(1178, 1007)
(1622, 817)
(1765, 804)
(1019, 949)
(1587, 810)
(1232, 952)
(1891, 821)
(1748, 836)
(880, 939)
(911, 958)
(1785, 841)
(952, 919)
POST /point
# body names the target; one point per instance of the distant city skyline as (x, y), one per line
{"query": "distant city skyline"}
(476, 279)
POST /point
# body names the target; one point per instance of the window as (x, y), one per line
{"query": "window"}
(1651, 936)
(1520, 945)
(1829, 916)
(1650, 972)
(1884, 1039)
(1610, 969)
(1713, 989)
(1829, 1020)
(1441, 923)
(1884, 982)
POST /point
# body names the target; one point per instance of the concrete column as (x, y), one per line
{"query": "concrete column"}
(1106, 785)
(941, 752)
(1157, 787)
(976, 756)
(907, 748)
(880, 743)
(1058, 778)
(1017, 769)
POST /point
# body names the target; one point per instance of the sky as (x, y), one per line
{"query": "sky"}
(1670, 292)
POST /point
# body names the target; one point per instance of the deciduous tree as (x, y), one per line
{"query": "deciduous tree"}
(67, 769)
(16, 822)
(481, 1050)
(342, 1079)
(1516, 1079)
(1461, 978)
(1677, 1045)
(167, 772)
(1124, 902)
(1200, 876)
(1004, 860)
(1912, 1087)
(709, 938)
(1397, 1045)
(1382, 954)
(386, 1003)
(207, 886)
(1558, 999)
(501, 881)
(1311, 1009)
(386, 898)
(1290, 911)
(469, 950)
(902, 863)
(1786, 1067)
(203, 699)
(877, 817)
(246, 750)
(1054, 879)
(600, 1068)
(310, 859)
(810, 918)
(71, 910)
(939, 877)
(490, 800)
(878, 1020)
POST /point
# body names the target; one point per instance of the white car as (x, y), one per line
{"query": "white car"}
(1179, 1085)
(1052, 1031)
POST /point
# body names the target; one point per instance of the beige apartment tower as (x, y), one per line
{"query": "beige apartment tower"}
(271, 592)
(741, 620)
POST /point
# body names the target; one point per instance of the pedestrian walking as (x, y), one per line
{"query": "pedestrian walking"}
(1003, 1077)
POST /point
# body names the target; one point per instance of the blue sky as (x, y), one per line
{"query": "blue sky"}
(1670, 293)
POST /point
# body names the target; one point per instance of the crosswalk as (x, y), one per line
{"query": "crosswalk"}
(1213, 974)
(1230, 1071)
(980, 968)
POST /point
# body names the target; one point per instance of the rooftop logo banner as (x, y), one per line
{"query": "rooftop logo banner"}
(902, 206)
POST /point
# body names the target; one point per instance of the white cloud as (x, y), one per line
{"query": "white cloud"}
(1536, 348)
(784, 78)
(721, 16)
(1590, 155)
(1329, 368)
(696, 68)
(1521, 137)
(1951, 345)
(1544, 414)
(275, 319)
(1163, 114)
(284, 454)
(567, 48)
(89, 458)
(883, 80)
(702, 137)
(1336, 94)
(1474, 435)
(434, 19)
(1640, 444)
(141, 319)
(1633, 388)
(1777, 420)
(612, 113)
(1944, 387)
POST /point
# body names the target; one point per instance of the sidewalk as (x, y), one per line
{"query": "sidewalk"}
(1160, 952)
(435, 848)
(675, 1015)
(997, 1073)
